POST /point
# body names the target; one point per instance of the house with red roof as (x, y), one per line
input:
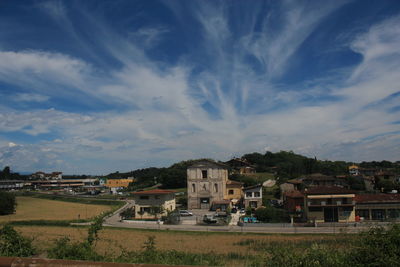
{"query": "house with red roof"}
(329, 204)
(154, 203)
(378, 207)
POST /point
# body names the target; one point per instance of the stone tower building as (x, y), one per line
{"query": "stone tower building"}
(206, 181)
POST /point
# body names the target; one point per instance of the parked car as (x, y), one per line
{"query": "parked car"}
(209, 218)
(242, 212)
(185, 213)
(221, 214)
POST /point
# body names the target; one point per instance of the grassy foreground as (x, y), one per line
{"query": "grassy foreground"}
(197, 242)
(377, 247)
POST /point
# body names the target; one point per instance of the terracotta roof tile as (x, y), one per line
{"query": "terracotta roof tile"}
(294, 194)
(373, 198)
(327, 190)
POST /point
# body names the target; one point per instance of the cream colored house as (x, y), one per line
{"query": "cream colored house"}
(206, 183)
(253, 196)
(329, 204)
(234, 191)
(148, 201)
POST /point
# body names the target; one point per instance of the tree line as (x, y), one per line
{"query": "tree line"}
(6, 174)
(285, 164)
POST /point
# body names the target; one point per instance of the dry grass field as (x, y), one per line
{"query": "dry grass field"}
(114, 240)
(29, 208)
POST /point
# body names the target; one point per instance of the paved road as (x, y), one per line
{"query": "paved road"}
(115, 221)
(115, 218)
(247, 229)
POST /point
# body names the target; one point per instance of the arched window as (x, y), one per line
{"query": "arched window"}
(216, 188)
(193, 188)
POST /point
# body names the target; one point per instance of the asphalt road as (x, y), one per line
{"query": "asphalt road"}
(115, 221)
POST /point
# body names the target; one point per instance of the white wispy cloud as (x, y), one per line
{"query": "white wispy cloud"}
(164, 119)
(27, 97)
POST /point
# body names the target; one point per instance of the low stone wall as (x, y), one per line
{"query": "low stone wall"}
(143, 222)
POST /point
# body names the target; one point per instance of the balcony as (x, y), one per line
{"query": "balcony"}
(330, 203)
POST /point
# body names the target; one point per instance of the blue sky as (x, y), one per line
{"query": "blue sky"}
(99, 86)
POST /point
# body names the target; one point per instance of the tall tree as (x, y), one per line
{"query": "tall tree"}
(7, 203)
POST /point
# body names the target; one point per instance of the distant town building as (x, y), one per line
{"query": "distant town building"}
(241, 166)
(354, 170)
(47, 176)
(11, 184)
(116, 185)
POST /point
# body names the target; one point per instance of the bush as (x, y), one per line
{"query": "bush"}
(315, 256)
(128, 213)
(271, 214)
(65, 249)
(378, 247)
(7, 203)
(12, 244)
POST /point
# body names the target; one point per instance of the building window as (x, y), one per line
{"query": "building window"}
(249, 194)
(157, 197)
(378, 214)
(256, 194)
(204, 174)
(144, 197)
(145, 209)
(394, 213)
(230, 192)
(216, 187)
(193, 188)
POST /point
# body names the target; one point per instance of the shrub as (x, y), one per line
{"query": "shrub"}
(7, 203)
(248, 211)
(378, 247)
(65, 249)
(271, 214)
(12, 244)
(128, 213)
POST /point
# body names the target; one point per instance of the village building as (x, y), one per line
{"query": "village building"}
(291, 185)
(153, 203)
(63, 183)
(293, 202)
(47, 176)
(318, 179)
(353, 170)
(241, 166)
(234, 192)
(11, 184)
(253, 196)
(329, 204)
(116, 185)
(206, 183)
(378, 207)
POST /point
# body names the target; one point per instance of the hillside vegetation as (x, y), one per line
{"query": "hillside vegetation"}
(283, 164)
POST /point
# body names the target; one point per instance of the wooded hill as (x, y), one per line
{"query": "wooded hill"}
(284, 164)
